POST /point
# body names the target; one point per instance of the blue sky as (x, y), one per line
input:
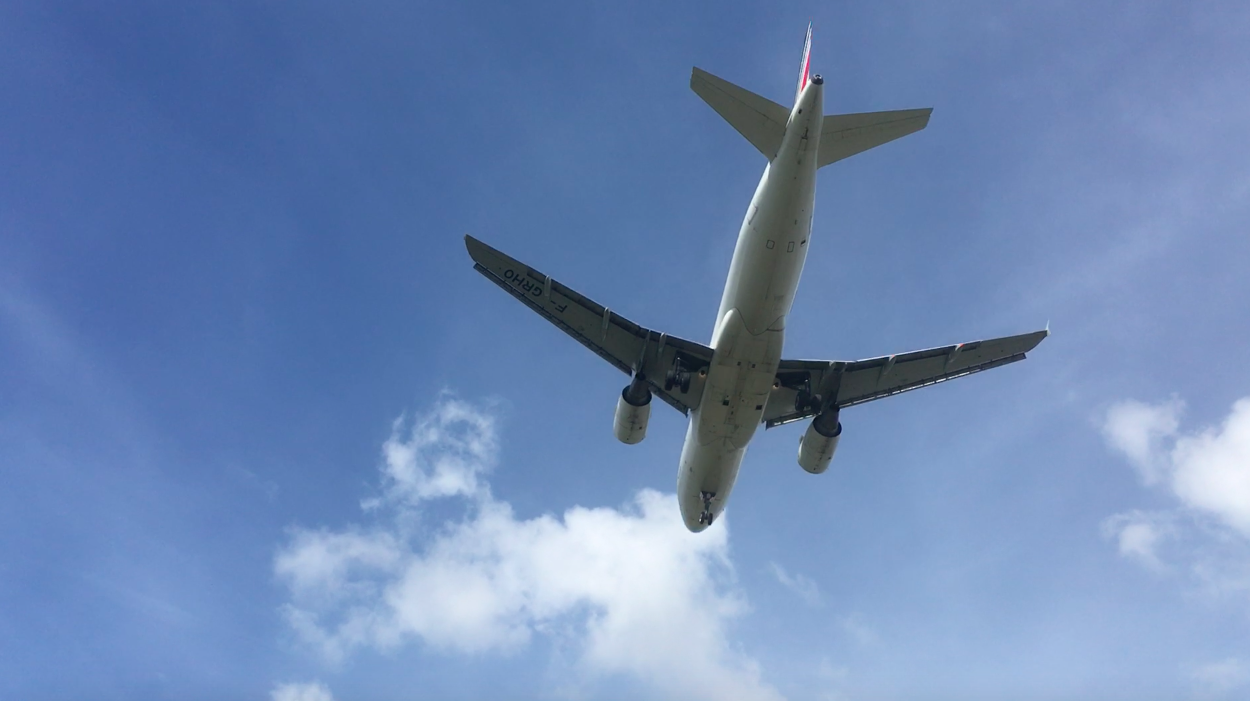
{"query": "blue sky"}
(265, 434)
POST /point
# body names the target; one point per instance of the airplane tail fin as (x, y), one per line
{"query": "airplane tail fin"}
(763, 122)
(806, 65)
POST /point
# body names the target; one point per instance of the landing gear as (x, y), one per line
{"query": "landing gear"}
(806, 403)
(707, 515)
(677, 376)
(805, 400)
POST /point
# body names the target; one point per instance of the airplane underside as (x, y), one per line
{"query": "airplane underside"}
(740, 381)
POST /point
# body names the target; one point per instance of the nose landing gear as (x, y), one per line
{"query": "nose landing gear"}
(707, 515)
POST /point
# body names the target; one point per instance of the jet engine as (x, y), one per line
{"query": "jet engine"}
(817, 446)
(633, 410)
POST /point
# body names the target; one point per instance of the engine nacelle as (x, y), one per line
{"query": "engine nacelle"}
(817, 446)
(633, 410)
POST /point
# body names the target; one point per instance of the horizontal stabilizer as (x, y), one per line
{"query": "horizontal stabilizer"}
(759, 119)
(844, 135)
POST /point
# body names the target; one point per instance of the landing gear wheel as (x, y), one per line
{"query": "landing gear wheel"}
(678, 375)
(805, 401)
(707, 516)
(677, 378)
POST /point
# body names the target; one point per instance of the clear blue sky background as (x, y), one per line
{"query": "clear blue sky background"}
(231, 256)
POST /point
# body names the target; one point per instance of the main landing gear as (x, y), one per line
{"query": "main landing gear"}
(707, 516)
(681, 373)
(678, 377)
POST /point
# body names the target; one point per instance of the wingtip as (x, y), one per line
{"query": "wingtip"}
(473, 246)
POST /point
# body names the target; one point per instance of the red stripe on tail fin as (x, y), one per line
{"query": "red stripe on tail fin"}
(806, 65)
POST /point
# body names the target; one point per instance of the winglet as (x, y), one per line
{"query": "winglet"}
(804, 68)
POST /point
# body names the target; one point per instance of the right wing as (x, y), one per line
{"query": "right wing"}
(621, 342)
(862, 381)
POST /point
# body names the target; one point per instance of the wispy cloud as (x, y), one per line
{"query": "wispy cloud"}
(1138, 535)
(629, 589)
(856, 626)
(50, 353)
(1217, 679)
(832, 678)
(797, 583)
(310, 691)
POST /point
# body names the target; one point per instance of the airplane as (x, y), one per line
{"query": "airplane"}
(728, 388)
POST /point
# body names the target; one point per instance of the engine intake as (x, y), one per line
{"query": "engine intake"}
(818, 445)
(633, 410)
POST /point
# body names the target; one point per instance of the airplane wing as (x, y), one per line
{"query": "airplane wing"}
(799, 382)
(621, 342)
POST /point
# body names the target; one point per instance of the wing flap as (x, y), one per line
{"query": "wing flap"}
(624, 344)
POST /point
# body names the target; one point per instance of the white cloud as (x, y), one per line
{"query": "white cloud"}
(1218, 678)
(1208, 471)
(446, 454)
(1138, 429)
(314, 691)
(1138, 535)
(630, 589)
(1212, 469)
(799, 584)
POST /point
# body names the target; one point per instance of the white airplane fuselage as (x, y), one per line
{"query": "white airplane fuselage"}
(750, 326)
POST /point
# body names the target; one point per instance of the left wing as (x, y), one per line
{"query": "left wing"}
(621, 342)
(802, 385)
